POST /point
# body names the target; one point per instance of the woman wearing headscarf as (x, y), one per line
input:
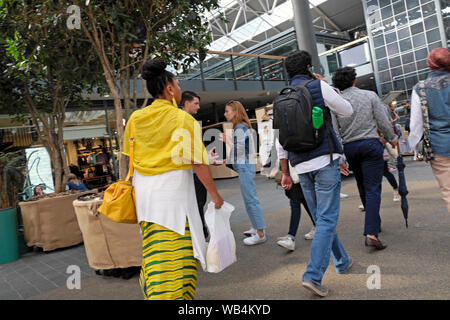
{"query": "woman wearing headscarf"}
(167, 146)
(437, 89)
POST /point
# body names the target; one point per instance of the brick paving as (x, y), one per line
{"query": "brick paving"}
(38, 272)
(414, 266)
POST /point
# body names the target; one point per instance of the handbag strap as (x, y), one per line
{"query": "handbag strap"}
(130, 165)
(426, 119)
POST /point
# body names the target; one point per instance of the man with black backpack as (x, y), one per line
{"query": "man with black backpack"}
(309, 143)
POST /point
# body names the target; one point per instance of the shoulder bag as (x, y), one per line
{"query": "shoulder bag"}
(119, 199)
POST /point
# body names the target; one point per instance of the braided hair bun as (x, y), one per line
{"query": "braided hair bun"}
(153, 68)
(155, 73)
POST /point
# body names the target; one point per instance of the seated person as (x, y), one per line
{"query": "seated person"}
(37, 191)
(74, 183)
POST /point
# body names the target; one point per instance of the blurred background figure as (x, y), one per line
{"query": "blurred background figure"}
(74, 183)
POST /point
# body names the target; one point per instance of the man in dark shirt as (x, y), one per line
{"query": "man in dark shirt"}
(190, 102)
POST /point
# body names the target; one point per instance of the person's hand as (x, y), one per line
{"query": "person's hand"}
(319, 77)
(223, 137)
(286, 182)
(218, 201)
(394, 143)
(344, 169)
(213, 157)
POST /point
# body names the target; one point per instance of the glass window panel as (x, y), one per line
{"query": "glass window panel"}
(435, 45)
(403, 33)
(385, 76)
(397, 71)
(386, 87)
(375, 31)
(408, 68)
(378, 41)
(399, 84)
(354, 56)
(412, 3)
(433, 35)
(422, 65)
(402, 20)
(423, 75)
(380, 52)
(414, 15)
(417, 28)
(395, 62)
(374, 17)
(332, 62)
(383, 64)
(391, 37)
(421, 54)
(384, 3)
(399, 6)
(393, 48)
(372, 3)
(386, 12)
(425, 1)
(411, 81)
(389, 24)
(419, 40)
(431, 22)
(405, 45)
(428, 9)
(407, 58)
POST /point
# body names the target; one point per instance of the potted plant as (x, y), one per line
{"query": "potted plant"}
(12, 165)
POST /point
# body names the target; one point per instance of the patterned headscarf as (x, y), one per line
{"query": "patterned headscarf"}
(439, 59)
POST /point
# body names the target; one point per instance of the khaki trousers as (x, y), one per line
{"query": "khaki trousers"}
(441, 170)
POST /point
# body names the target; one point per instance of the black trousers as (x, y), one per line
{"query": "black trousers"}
(296, 197)
(201, 193)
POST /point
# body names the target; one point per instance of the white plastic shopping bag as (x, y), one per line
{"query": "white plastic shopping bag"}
(221, 250)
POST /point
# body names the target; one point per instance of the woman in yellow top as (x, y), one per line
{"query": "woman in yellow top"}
(167, 147)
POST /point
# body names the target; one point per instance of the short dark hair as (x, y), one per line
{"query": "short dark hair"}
(188, 96)
(343, 78)
(155, 73)
(297, 63)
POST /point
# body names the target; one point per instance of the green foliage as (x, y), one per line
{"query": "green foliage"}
(44, 54)
(12, 177)
(170, 28)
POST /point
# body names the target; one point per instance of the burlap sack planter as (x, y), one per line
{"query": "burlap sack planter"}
(108, 244)
(51, 223)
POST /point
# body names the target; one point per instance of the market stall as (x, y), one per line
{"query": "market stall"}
(49, 221)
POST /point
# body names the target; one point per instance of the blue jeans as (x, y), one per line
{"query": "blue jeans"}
(247, 181)
(322, 189)
(366, 160)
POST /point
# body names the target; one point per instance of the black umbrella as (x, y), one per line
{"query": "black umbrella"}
(402, 190)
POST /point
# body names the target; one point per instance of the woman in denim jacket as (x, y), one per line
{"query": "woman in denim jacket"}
(243, 164)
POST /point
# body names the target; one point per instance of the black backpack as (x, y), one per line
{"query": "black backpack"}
(292, 116)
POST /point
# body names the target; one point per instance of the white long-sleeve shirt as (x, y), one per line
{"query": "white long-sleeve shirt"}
(416, 121)
(337, 104)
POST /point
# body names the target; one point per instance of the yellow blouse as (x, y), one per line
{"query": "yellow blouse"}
(166, 139)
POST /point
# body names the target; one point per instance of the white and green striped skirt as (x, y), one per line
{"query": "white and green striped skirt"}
(169, 269)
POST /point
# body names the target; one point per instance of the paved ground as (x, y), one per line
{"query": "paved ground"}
(414, 266)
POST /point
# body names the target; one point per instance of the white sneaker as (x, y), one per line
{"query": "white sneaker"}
(282, 238)
(343, 195)
(397, 196)
(287, 243)
(250, 232)
(255, 239)
(361, 207)
(310, 235)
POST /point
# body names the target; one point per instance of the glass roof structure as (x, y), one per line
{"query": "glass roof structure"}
(248, 19)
